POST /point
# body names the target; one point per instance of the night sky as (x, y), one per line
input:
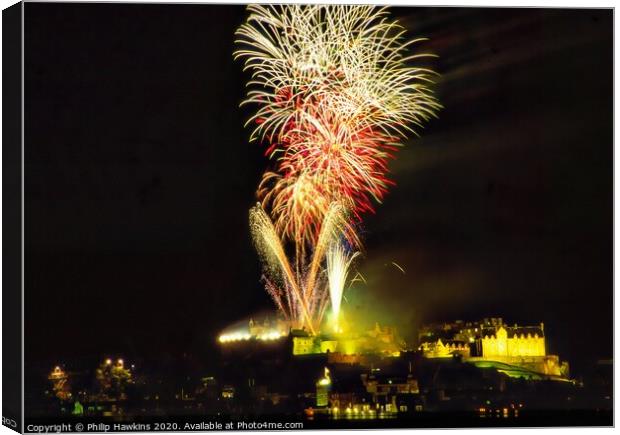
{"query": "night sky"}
(139, 177)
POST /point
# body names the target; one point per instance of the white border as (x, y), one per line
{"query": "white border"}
(479, 3)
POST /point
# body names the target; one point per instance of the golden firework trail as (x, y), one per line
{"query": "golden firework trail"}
(270, 248)
(338, 261)
(335, 89)
(301, 295)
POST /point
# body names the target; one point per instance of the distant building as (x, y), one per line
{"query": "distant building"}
(304, 343)
(378, 340)
(513, 342)
(492, 340)
(268, 328)
(390, 392)
(341, 358)
(447, 349)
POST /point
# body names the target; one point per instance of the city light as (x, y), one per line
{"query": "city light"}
(246, 336)
(236, 336)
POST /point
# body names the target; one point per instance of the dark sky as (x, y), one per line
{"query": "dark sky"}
(139, 178)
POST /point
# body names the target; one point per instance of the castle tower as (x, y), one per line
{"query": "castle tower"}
(502, 341)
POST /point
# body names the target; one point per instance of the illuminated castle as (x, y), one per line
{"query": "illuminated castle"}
(513, 342)
(492, 340)
(265, 331)
(268, 328)
(378, 340)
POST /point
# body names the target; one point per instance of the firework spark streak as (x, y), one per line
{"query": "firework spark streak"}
(336, 92)
(338, 260)
(270, 247)
(300, 295)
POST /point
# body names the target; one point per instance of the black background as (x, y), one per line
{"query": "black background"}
(12, 364)
(139, 177)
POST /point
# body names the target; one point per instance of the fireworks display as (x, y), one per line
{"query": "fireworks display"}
(301, 294)
(336, 91)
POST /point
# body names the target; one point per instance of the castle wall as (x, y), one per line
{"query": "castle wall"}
(447, 350)
(549, 364)
(499, 345)
(304, 346)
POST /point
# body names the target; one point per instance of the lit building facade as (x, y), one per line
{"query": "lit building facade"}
(513, 342)
(492, 340)
(447, 349)
(378, 340)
